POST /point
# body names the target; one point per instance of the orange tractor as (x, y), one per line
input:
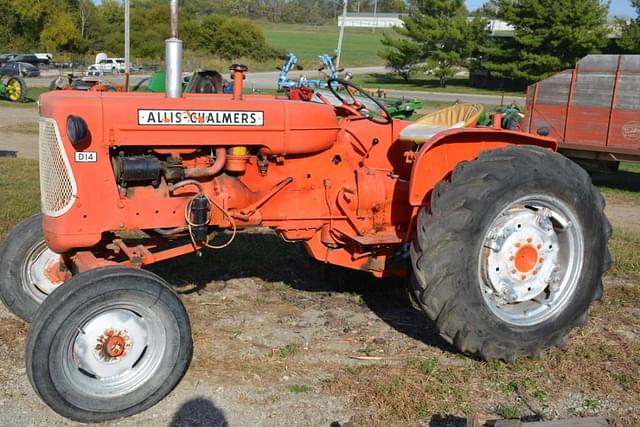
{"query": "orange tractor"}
(504, 241)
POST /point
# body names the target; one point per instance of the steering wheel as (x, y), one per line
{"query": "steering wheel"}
(356, 107)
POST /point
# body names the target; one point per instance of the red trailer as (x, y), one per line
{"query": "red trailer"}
(592, 110)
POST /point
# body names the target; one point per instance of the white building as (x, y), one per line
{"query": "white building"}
(369, 20)
(500, 28)
(388, 20)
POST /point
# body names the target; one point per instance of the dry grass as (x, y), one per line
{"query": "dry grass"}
(25, 127)
(596, 376)
(625, 250)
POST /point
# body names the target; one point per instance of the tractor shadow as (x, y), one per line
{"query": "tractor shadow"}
(263, 255)
(625, 180)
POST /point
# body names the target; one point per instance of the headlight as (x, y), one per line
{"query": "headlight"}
(77, 129)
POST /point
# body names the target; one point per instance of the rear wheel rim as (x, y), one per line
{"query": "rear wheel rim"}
(114, 350)
(531, 260)
(14, 89)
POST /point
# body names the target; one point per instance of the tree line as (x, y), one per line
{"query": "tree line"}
(220, 27)
(441, 36)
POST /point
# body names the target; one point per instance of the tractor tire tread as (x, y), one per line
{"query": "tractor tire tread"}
(443, 230)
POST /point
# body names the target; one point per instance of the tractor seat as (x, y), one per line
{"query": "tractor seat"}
(419, 133)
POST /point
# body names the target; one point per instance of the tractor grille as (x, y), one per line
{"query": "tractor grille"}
(57, 185)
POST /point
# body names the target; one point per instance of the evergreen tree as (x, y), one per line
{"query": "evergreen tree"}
(630, 31)
(549, 36)
(437, 36)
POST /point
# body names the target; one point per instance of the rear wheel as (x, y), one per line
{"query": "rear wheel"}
(25, 261)
(16, 89)
(111, 343)
(511, 253)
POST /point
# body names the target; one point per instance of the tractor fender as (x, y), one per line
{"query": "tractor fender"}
(436, 159)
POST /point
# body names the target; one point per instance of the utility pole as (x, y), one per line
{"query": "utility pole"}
(126, 45)
(344, 19)
(375, 15)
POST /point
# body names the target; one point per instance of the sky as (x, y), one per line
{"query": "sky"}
(618, 7)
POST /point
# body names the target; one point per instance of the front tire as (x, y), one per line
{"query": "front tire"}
(111, 343)
(24, 257)
(511, 253)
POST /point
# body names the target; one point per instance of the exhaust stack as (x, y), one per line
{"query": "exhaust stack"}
(173, 57)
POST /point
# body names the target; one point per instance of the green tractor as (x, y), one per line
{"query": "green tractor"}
(13, 88)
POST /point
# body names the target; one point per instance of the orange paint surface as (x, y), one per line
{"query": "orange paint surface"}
(342, 185)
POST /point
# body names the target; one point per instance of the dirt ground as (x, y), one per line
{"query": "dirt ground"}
(19, 130)
(277, 344)
(282, 341)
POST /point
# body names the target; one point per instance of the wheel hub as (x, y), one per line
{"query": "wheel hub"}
(43, 271)
(531, 260)
(113, 344)
(522, 257)
(110, 346)
(526, 258)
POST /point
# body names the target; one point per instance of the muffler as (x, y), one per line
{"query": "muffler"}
(173, 57)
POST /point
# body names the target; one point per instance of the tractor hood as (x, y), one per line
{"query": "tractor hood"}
(279, 126)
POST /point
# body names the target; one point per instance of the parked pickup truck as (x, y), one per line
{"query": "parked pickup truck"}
(592, 110)
(108, 65)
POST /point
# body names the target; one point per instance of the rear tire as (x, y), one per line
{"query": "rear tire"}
(110, 343)
(23, 256)
(481, 295)
(207, 84)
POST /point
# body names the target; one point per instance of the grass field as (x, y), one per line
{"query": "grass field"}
(32, 96)
(360, 46)
(19, 192)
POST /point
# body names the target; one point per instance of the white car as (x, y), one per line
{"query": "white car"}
(107, 65)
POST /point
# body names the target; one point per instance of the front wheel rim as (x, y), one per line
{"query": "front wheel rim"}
(531, 260)
(114, 351)
(35, 280)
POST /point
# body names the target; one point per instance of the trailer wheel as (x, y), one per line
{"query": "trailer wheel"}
(511, 253)
(110, 343)
(24, 257)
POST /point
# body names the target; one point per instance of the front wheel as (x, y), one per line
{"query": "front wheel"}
(511, 253)
(27, 268)
(110, 343)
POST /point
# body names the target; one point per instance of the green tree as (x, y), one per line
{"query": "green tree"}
(149, 28)
(630, 31)
(549, 36)
(60, 33)
(233, 38)
(9, 25)
(391, 6)
(109, 36)
(437, 37)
